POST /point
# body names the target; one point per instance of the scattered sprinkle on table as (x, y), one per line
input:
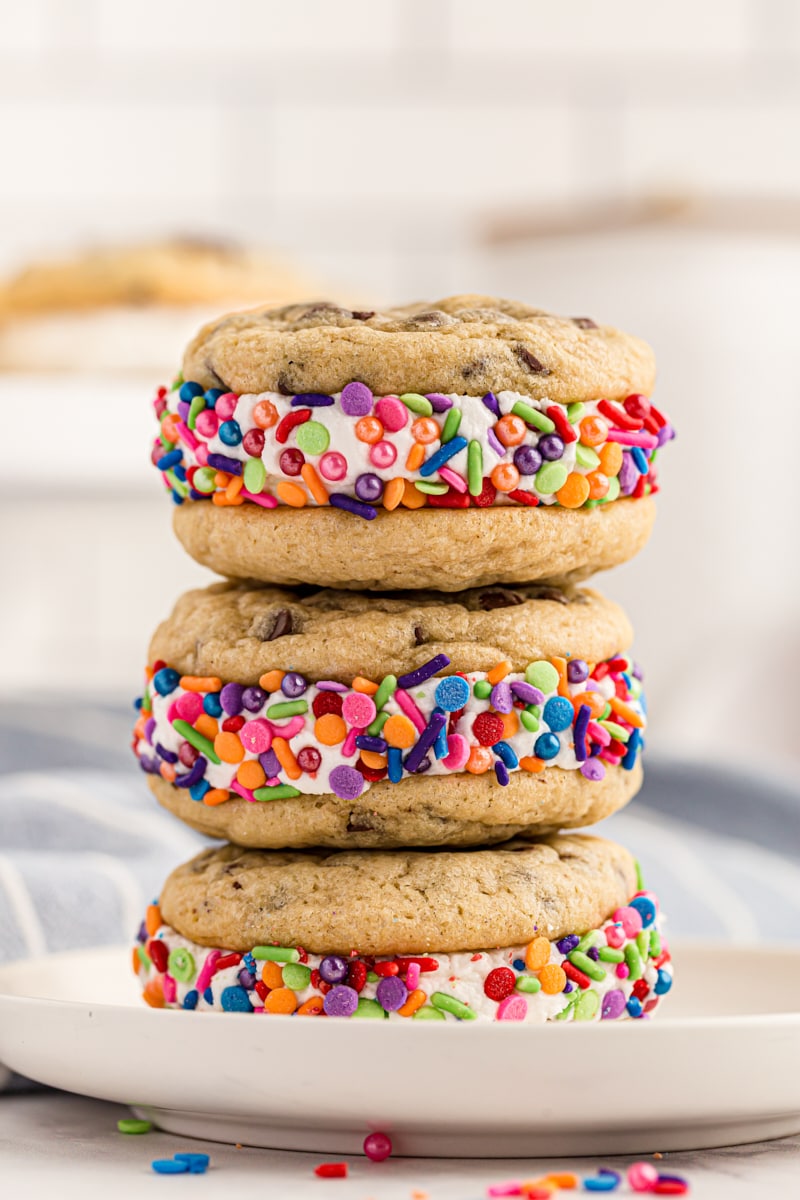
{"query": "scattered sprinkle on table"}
(132, 1125)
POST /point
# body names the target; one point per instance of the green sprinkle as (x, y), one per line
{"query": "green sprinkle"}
(587, 965)
(586, 457)
(386, 688)
(475, 468)
(181, 965)
(377, 725)
(296, 976)
(550, 477)
(655, 942)
(131, 1125)
(195, 408)
(372, 977)
(426, 1013)
(591, 503)
(634, 960)
(288, 708)
(451, 424)
(203, 480)
(613, 490)
(312, 437)
(593, 938)
(568, 1007)
(643, 942)
(430, 489)
(530, 722)
(279, 791)
(606, 712)
(451, 1005)
(370, 1009)
(418, 404)
(177, 381)
(203, 744)
(482, 689)
(180, 487)
(144, 957)
(575, 412)
(281, 954)
(255, 474)
(532, 416)
(527, 983)
(616, 730)
(609, 954)
(542, 675)
(636, 863)
(587, 1005)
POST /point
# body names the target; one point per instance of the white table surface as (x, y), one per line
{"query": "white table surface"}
(56, 1144)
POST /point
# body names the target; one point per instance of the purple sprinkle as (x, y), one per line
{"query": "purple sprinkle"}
(231, 699)
(613, 1005)
(376, 744)
(501, 771)
(665, 434)
(293, 685)
(593, 769)
(551, 447)
(593, 953)
(333, 969)
(311, 400)
(142, 935)
(194, 776)
(567, 944)
(439, 403)
(247, 979)
(426, 739)
(253, 699)
(577, 670)
(183, 410)
(339, 500)
(568, 986)
(220, 462)
(501, 698)
(346, 782)
(330, 685)
(369, 487)
(579, 732)
(149, 765)
(270, 762)
(494, 442)
(637, 672)
(341, 1001)
(424, 766)
(527, 693)
(391, 993)
(527, 460)
(167, 755)
(149, 728)
(426, 671)
(490, 400)
(628, 474)
(356, 400)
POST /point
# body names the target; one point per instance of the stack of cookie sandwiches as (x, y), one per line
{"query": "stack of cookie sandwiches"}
(400, 697)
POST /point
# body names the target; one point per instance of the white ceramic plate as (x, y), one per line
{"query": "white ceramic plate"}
(716, 1067)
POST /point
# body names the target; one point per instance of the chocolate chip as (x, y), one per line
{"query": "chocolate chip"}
(545, 592)
(236, 885)
(284, 385)
(430, 319)
(499, 599)
(362, 316)
(218, 382)
(584, 322)
(272, 625)
(476, 367)
(362, 822)
(323, 306)
(419, 636)
(529, 361)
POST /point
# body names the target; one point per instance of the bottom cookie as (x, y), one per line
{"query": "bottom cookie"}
(567, 969)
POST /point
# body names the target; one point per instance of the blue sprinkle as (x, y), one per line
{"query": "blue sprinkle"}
(443, 455)
(452, 693)
(558, 713)
(208, 996)
(646, 910)
(197, 1163)
(663, 983)
(165, 681)
(177, 498)
(212, 705)
(169, 1166)
(198, 790)
(230, 433)
(235, 999)
(634, 1007)
(212, 396)
(501, 771)
(519, 964)
(546, 746)
(640, 458)
(137, 704)
(440, 746)
(191, 998)
(189, 391)
(180, 473)
(601, 1183)
(395, 764)
(507, 753)
(171, 459)
(634, 742)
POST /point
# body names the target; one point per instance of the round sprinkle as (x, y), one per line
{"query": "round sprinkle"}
(527, 460)
(358, 709)
(369, 487)
(296, 976)
(488, 729)
(333, 466)
(542, 675)
(552, 979)
(309, 759)
(169, 1166)
(558, 713)
(613, 1005)
(537, 953)
(330, 729)
(369, 429)
(235, 999)
(265, 414)
(132, 1125)
(181, 965)
(593, 770)
(546, 746)
(207, 423)
(499, 983)
(333, 969)
(513, 1008)
(356, 400)
(452, 693)
(391, 993)
(341, 1001)
(392, 413)
(382, 455)
(574, 492)
(550, 478)
(377, 1146)
(346, 783)
(293, 685)
(291, 461)
(313, 438)
(230, 433)
(255, 475)
(425, 430)
(642, 1176)
(577, 670)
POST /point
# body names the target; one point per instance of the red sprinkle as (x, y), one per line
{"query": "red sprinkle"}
(261, 989)
(668, 1186)
(637, 406)
(455, 717)
(657, 416)
(640, 989)
(386, 968)
(232, 724)
(617, 415)
(601, 670)
(499, 983)
(298, 417)
(522, 497)
(327, 702)
(159, 954)
(424, 964)
(253, 442)
(487, 495)
(371, 774)
(331, 1170)
(451, 499)
(559, 419)
(639, 490)
(357, 975)
(571, 972)
(488, 729)
(227, 960)
(315, 978)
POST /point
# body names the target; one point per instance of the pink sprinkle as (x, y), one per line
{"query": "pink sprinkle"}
(244, 792)
(256, 736)
(186, 435)
(188, 707)
(412, 976)
(453, 478)
(513, 1008)
(349, 743)
(458, 752)
(512, 1188)
(291, 729)
(607, 756)
(622, 971)
(207, 970)
(615, 936)
(226, 405)
(201, 454)
(626, 437)
(170, 989)
(410, 709)
(273, 782)
(258, 1008)
(262, 498)
(598, 734)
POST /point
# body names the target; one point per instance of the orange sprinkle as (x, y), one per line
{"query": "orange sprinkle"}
(416, 457)
(251, 774)
(479, 761)
(200, 683)
(593, 431)
(425, 430)
(169, 427)
(154, 993)
(272, 681)
(369, 430)
(282, 1000)
(149, 672)
(138, 729)
(286, 757)
(626, 712)
(221, 479)
(415, 1000)
(413, 498)
(610, 457)
(136, 962)
(272, 975)
(167, 771)
(229, 747)
(598, 485)
(552, 978)
(575, 491)
(216, 796)
(529, 763)
(265, 414)
(393, 494)
(399, 732)
(499, 672)
(291, 494)
(220, 499)
(562, 1179)
(314, 483)
(511, 430)
(560, 665)
(376, 762)
(233, 488)
(329, 729)
(505, 477)
(313, 1007)
(510, 724)
(360, 684)
(537, 953)
(593, 701)
(152, 919)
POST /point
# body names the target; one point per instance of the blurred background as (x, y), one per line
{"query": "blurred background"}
(634, 163)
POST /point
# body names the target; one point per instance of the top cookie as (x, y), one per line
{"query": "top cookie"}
(462, 344)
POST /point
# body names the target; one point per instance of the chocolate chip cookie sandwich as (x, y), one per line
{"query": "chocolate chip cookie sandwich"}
(469, 441)
(274, 718)
(557, 930)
